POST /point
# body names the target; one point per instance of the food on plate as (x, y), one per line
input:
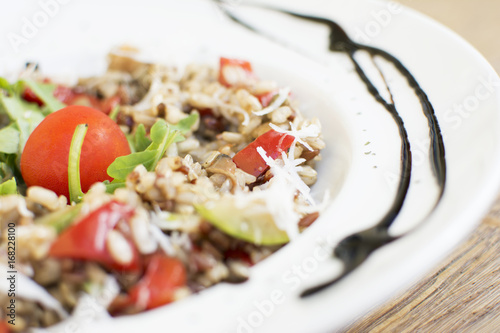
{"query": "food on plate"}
(145, 184)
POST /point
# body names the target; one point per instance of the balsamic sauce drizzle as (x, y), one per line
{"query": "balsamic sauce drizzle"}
(353, 250)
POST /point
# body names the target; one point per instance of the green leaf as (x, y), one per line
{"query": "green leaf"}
(124, 165)
(26, 125)
(141, 142)
(185, 125)
(112, 186)
(8, 165)
(9, 140)
(114, 113)
(5, 170)
(8, 187)
(15, 107)
(162, 137)
(5, 85)
(45, 92)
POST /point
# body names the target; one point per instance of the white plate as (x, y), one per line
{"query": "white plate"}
(71, 38)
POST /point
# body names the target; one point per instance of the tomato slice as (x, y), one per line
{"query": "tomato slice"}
(86, 240)
(274, 143)
(242, 68)
(163, 276)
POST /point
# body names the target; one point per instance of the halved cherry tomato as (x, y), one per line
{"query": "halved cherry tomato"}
(162, 278)
(241, 69)
(274, 143)
(44, 161)
(86, 239)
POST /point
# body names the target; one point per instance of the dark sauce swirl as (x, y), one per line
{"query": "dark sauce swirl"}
(353, 250)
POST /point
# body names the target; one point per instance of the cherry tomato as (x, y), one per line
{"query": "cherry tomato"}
(86, 239)
(163, 276)
(249, 160)
(44, 161)
(240, 71)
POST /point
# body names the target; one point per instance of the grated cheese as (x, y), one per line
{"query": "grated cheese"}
(310, 131)
(278, 101)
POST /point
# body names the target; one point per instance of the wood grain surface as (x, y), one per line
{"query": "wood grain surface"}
(463, 293)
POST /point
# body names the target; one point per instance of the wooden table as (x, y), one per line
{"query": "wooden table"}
(463, 293)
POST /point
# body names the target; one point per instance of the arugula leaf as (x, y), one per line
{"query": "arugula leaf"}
(162, 137)
(112, 186)
(5, 85)
(15, 107)
(140, 140)
(8, 187)
(185, 125)
(8, 183)
(9, 166)
(26, 125)
(122, 166)
(148, 151)
(9, 140)
(5, 171)
(25, 116)
(45, 92)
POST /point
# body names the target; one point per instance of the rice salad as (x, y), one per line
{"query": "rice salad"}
(218, 178)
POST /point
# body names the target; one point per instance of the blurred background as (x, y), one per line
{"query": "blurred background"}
(478, 21)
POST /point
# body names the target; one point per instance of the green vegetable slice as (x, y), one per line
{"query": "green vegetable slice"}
(8, 187)
(9, 140)
(75, 149)
(60, 219)
(162, 136)
(45, 92)
(252, 222)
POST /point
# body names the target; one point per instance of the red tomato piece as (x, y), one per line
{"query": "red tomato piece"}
(29, 96)
(4, 327)
(274, 143)
(109, 104)
(86, 239)
(69, 97)
(162, 278)
(242, 65)
(64, 94)
(238, 254)
(44, 161)
(265, 99)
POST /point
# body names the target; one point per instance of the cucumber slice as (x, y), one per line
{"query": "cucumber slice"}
(252, 223)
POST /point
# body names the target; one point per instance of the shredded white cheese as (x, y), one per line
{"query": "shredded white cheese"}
(289, 170)
(162, 240)
(311, 131)
(278, 101)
